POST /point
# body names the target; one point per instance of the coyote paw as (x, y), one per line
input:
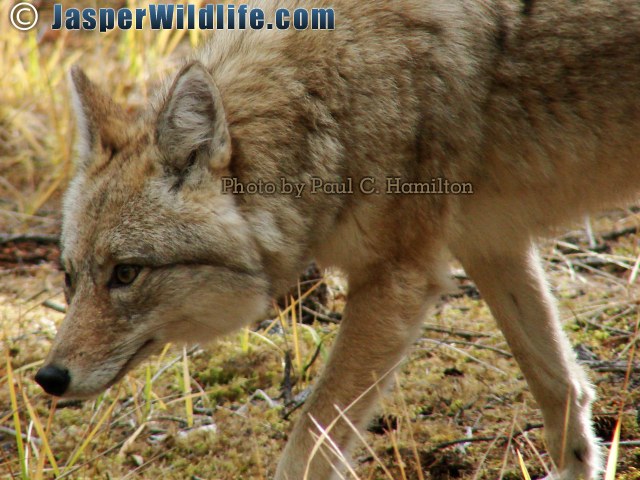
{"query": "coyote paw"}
(583, 461)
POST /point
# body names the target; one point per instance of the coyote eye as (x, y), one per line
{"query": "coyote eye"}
(123, 275)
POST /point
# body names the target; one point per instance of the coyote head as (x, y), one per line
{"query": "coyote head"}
(152, 250)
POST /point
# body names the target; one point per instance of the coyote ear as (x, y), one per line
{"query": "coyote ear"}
(101, 123)
(191, 126)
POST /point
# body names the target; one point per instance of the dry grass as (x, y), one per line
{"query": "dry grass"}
(461, 409)
(36, 129)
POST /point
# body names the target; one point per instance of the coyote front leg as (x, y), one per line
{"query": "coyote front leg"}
(382, 319)
(513, 285)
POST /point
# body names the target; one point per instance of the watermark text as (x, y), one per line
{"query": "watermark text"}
(170, 16)
(346, 186)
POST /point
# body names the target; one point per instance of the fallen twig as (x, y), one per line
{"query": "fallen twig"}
(458, 333)
(458, 441)
(313, 359)
(286, 387)
(611, 367)
(616, 234)
(55, 306)
(12, 433)
(480, 346)
(43, 238)
(465, 353)
(320, 316)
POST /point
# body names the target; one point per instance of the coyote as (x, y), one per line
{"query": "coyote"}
(536, 104)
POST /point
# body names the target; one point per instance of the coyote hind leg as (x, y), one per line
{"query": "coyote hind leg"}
(513, 285)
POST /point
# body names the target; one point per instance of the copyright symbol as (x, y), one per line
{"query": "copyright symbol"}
(23, 16)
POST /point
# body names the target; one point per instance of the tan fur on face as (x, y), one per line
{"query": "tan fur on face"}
(536, 104)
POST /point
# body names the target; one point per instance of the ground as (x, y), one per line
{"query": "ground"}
(459, 407)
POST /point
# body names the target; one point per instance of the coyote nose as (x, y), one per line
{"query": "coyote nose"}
(54, 380)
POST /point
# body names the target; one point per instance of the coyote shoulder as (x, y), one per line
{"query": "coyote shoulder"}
(535, 104)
